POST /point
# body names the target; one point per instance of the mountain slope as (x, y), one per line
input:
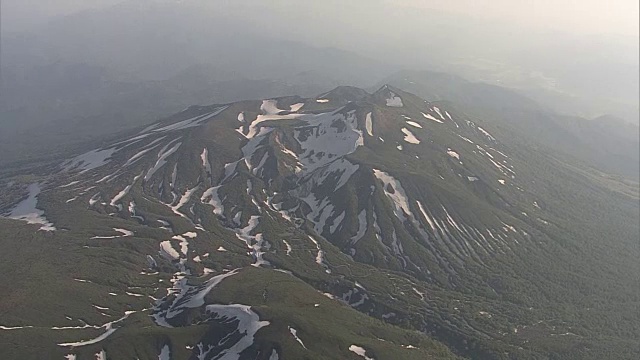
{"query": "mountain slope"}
(317, 228)
(612, 147)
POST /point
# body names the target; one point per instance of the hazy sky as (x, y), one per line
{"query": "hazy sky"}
(577, 16)
(581, 16)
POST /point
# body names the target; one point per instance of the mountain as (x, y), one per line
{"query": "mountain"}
(346, 225)
(606, 143)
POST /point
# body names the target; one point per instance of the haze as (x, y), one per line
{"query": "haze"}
(125, 63)
(588, 16)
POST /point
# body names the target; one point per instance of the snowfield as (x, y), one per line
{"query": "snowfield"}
(27, 211)
(397, 195)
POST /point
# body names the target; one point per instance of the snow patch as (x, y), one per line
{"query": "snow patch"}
(168, 251)
(164, 153)
(211, 197)
(15, 327)
(68, 184)
(486, 134)
(188, 123)
(142, 152)
(289, 248)
(394, 100)
(123, 193)
(319, 255)
(296, 107)
(187, 296)
(369, 124)
(362, 227)
(165, 353)
(426, 217)
(274, 355)
(270, 107)
(409, 137)
(183, 200)
(438, 111)
(326, 137)
(359, 351)
(254, 242)
(336, 222)
(397, 194)
(90, 160)
(248, 324)
(431, 117)
(414, 124)
(453, 154)
(124, 232)
(109, 329)
(26, 210)
(294, 332)
(205, 160)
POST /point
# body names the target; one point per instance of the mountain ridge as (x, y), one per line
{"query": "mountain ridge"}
(595, 144)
